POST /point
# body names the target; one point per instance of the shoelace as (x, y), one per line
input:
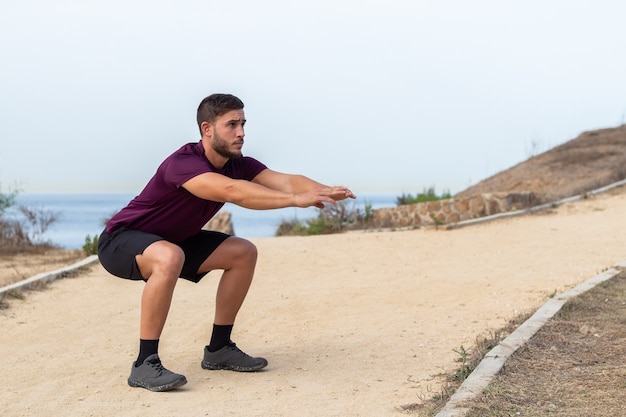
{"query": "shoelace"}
(234, 347)
(158, 366)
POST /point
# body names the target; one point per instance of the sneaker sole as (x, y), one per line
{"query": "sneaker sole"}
(157, 388)
(216, 367)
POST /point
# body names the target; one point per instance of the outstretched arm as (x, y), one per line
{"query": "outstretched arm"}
(300, 184)
(258, 195)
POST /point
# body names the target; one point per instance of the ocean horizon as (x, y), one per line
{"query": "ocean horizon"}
(82, 215)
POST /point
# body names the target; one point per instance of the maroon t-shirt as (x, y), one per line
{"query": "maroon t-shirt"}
(166, 209)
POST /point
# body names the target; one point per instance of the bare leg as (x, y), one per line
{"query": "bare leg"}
(160, 264)
(237, 257)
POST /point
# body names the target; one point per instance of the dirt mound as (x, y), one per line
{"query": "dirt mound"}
(592, 160)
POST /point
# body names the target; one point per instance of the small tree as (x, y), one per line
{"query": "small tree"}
(7, 200)
(39, 219)
(12, 235)
(18, 234)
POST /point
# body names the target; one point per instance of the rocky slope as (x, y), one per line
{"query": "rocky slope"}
(592, 160)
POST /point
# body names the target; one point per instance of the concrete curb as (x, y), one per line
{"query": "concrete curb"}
(493, 361)
(46, 277)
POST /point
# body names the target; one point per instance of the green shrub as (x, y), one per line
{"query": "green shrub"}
(7, 200)
(330, 219)
(427, 195)
(91, 245)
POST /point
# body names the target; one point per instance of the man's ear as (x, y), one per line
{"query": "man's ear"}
(207, 129)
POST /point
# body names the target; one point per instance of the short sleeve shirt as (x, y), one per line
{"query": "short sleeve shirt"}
(165, 208)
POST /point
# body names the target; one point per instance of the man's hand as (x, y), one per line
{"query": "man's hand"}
(341, 193)
(317, 197)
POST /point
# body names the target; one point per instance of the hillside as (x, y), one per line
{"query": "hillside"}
(592, 160)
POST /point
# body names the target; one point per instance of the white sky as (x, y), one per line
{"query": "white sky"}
(383, 96)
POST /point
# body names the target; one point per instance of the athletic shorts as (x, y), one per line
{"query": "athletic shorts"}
(117, 251)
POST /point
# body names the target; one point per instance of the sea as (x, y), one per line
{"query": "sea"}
(82, 215)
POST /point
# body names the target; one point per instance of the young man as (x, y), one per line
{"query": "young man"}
(158, 236)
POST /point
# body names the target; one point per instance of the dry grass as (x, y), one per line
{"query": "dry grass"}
(468, 359)
(15, 267)
(574, 366)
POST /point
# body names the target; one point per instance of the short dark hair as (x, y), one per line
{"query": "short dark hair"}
(215, 105)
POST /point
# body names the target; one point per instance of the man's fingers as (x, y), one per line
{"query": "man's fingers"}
(326, 195)
(340, 193)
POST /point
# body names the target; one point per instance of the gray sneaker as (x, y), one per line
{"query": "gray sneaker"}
(153, 376)
(231, 358)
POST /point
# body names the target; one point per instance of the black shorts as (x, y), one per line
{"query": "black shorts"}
(117, 251)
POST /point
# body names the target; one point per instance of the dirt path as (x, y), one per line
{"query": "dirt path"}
(352, 325)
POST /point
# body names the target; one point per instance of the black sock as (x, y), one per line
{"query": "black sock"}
(146, 348)
(220, 337)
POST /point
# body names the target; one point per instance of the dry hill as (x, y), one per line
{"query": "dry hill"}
(592, 160)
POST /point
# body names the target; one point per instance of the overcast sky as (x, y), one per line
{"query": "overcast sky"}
(383, 96)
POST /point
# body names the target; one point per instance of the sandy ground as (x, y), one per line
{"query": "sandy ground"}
(352, 325)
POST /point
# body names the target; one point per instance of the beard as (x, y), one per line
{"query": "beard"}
(221, 146)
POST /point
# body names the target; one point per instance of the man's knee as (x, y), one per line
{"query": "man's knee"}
(247, 249)
(237, 251)
(163, 257)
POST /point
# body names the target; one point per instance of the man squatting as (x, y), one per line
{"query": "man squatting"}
(158, 236)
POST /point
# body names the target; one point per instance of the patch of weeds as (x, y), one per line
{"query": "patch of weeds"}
(17, 294)
(469, 359)
(38, 286)
(466, 369)
(429, 404)
(428, 194)
(76, 272)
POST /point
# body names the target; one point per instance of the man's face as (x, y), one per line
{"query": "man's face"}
(228, 134)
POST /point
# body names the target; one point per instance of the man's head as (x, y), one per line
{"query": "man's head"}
(216, 105)
(221, 120)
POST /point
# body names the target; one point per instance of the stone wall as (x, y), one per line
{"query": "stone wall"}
(452, 210)
(432, 213)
